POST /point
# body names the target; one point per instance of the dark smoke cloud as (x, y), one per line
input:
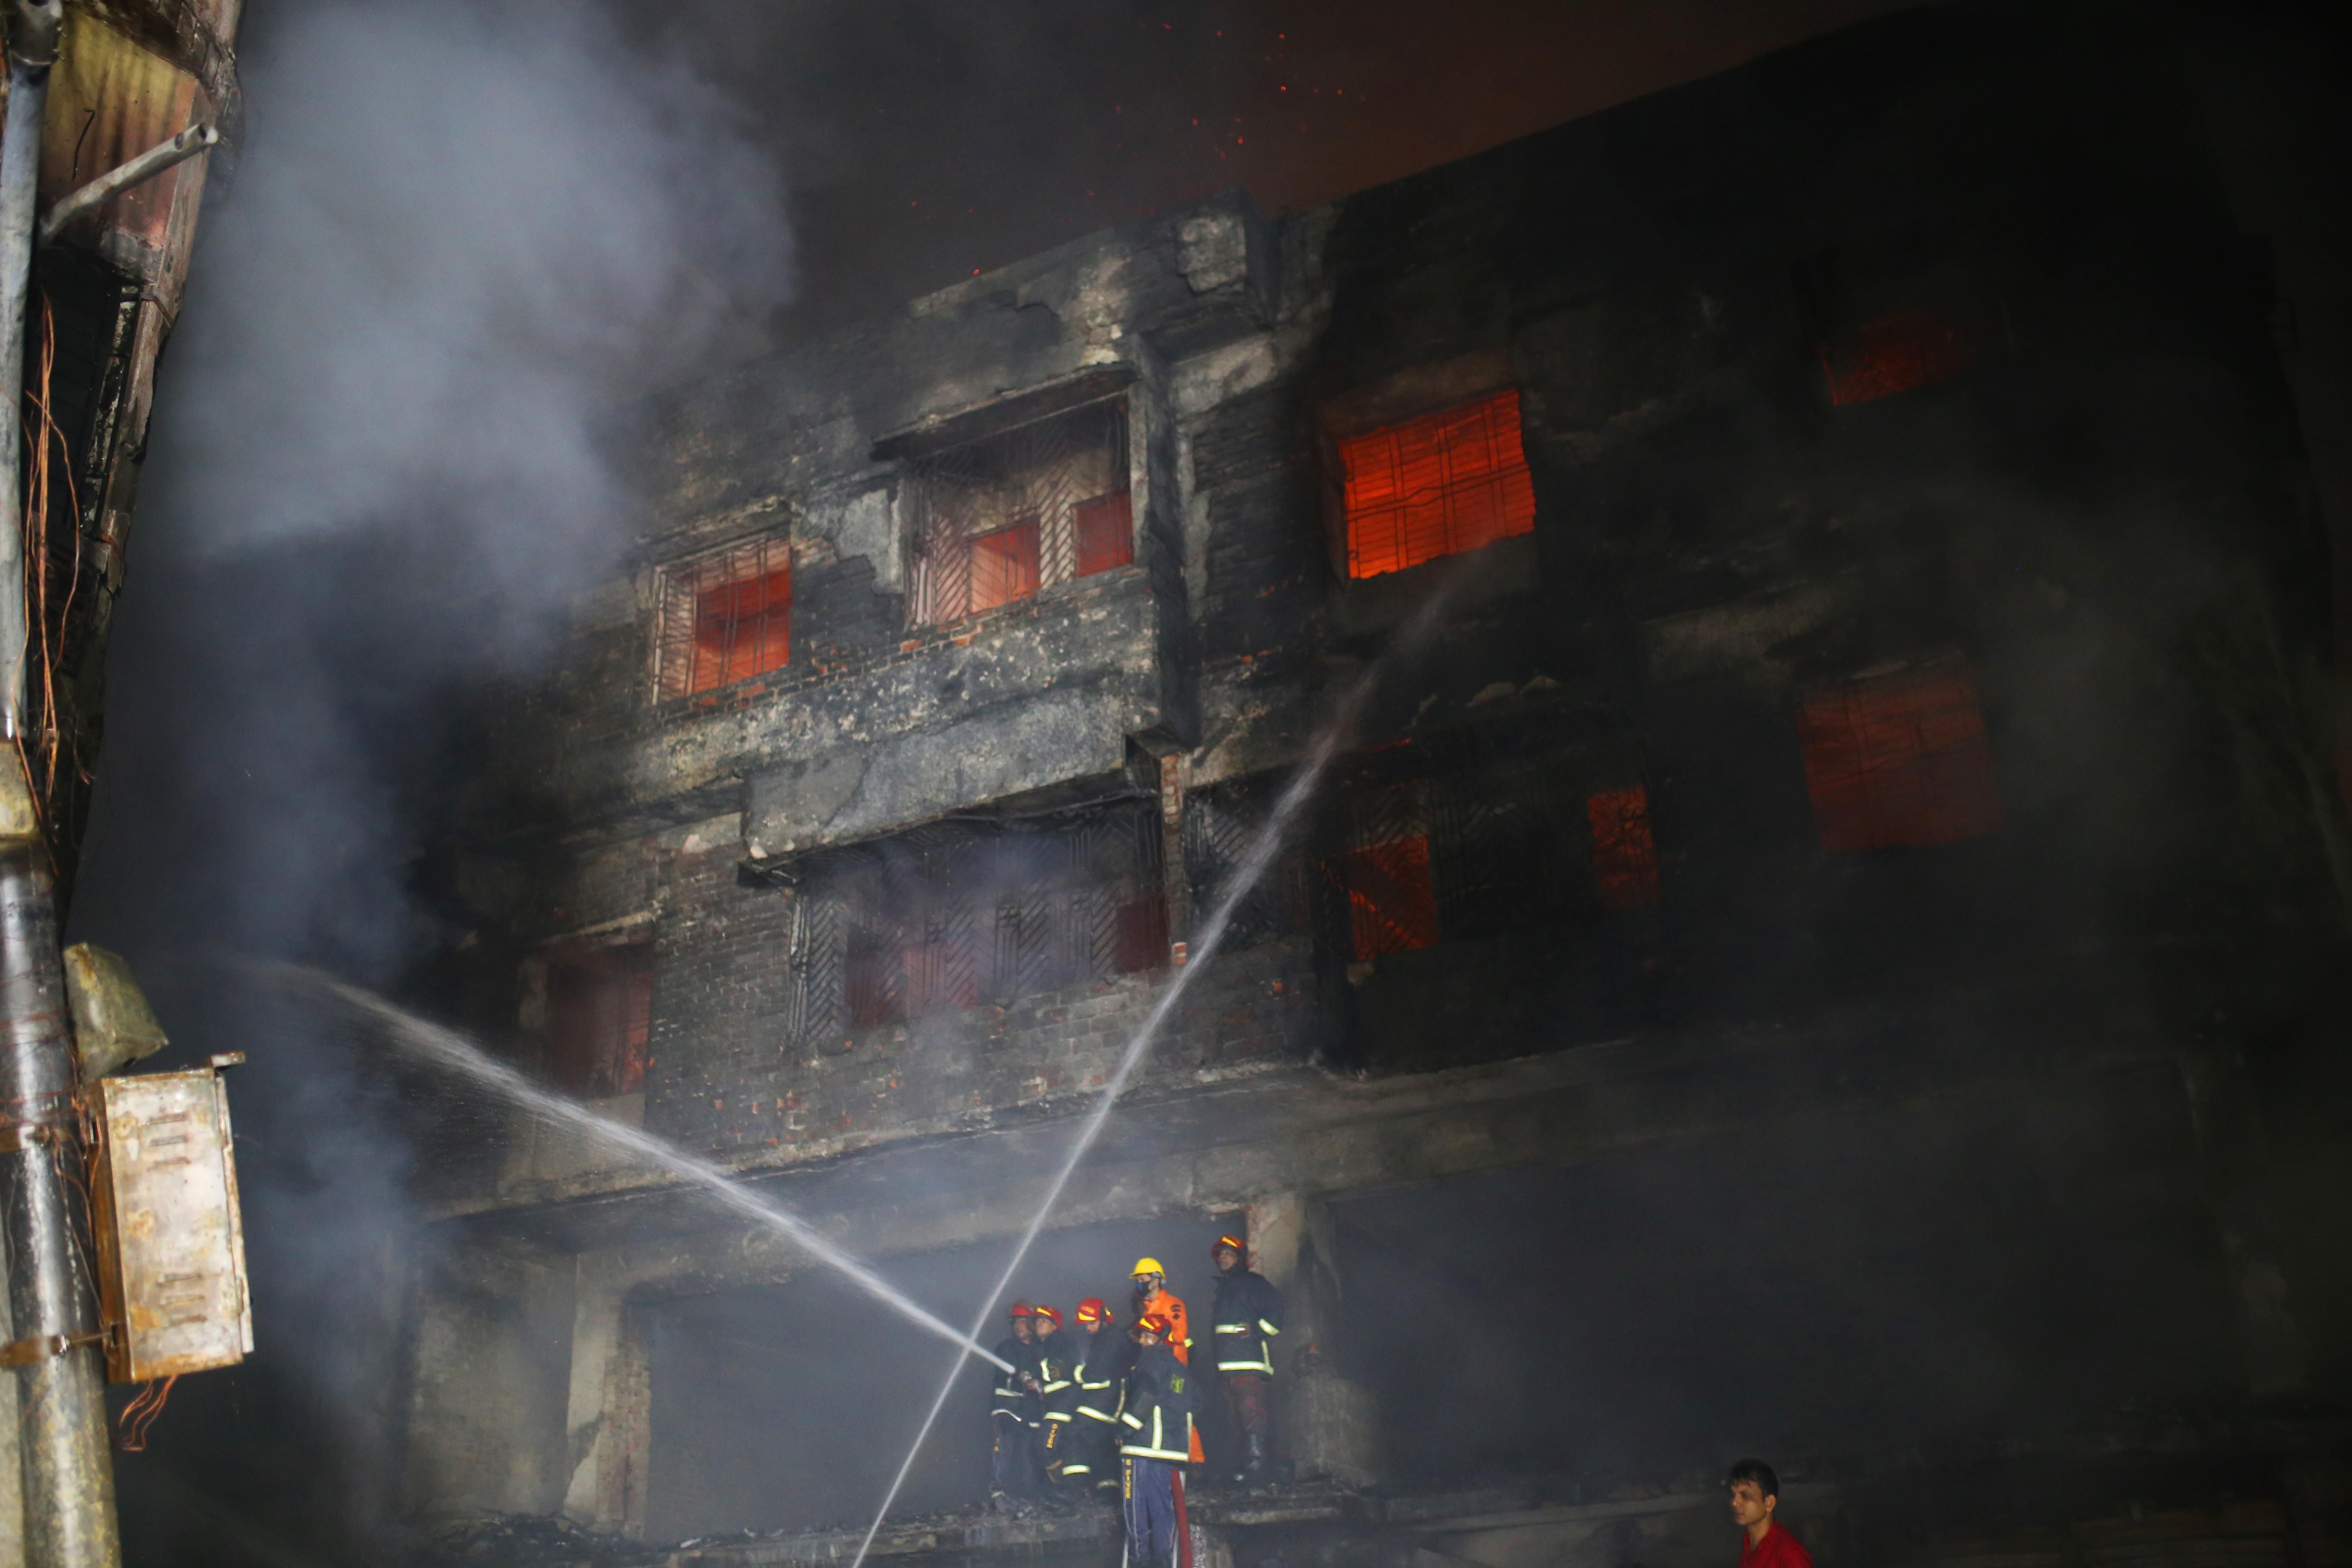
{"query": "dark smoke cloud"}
(458, 234)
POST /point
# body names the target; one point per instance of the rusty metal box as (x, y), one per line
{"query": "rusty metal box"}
(170, 1245)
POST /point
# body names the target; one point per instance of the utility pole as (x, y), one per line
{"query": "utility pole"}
(53, 1345)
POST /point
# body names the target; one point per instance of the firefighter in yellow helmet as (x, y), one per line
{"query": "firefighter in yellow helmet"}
(1153, 1298)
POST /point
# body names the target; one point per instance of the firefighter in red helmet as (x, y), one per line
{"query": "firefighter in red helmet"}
(1244, 1322)
(1097, 1373)
(1013, 1461)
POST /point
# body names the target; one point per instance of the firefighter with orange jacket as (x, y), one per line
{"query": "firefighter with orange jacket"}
(1153, 1298)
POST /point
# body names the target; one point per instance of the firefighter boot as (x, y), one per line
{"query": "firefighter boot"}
(1256, 1471)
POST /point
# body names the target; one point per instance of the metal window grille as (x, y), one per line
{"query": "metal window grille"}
(724, 617)
(1222, 824)
(1384, 872)
(999, 519)
(1900, 759)
(1468, 835)
(1446, 482)
(599, 1019)
(1896, 352)
(1624, 856)
(959, 915)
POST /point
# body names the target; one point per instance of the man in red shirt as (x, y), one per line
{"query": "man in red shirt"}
(1755, 1493)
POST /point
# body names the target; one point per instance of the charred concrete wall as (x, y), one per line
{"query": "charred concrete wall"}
(1921, 353)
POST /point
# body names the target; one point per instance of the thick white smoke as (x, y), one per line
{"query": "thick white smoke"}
(460, 231)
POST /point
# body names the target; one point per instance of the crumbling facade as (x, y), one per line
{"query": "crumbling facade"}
(1820, 940)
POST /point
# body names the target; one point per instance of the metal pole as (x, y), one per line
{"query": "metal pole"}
(163, 155)
(32, 51)
(61, 1434)
(61, 1439)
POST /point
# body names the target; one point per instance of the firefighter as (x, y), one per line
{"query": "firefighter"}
(1156, 1416)
(1050, 1368)
(1244, 1321)
(1012, 1463)
(1152, 1296)
(1099, 1364)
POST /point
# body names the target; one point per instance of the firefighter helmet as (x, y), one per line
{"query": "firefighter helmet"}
(1144, 1266)
(1022, 1310)
(1153, 1323)
(1049, 1314)
(1234, 1242)
(1092, 1311)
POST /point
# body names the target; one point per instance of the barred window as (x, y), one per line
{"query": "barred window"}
(1480, 836)
(1449, 481)
(1896, 352)
(1624, 859)
(1900, 759)
(998, 519)
(961, 915)
(599, 1019)
(724, 617)
(1385, 874)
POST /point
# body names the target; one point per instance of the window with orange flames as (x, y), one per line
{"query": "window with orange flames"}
(1449, 481)
(725, 618)
(1900, 759)
(955, 916)
(1001, 519)
(1896, 352)
(599, 1019)
(1624, 859)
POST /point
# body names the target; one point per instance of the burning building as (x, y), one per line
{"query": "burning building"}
(1823, 938)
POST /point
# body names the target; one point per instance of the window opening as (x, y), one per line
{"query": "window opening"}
(961, 915)
(1005, 565)
(599, 1019)
(1449, 481)
(999, 520)
(1625, 860)
(1385, 872)
(1106, 535)
(1896, 352)
(1900, 759)
(724, 617)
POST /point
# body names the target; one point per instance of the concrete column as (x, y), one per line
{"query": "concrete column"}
(1330, 1423)
(609, 1421)
(485, 1430)
(2238, 1177)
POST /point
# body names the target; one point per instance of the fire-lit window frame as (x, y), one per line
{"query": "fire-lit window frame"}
(974, 915)
(1426, 464)
(1900, 758)
(597, 1029)
(722, 617)
(1006, 517)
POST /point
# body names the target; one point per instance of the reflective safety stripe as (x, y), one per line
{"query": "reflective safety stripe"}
(1069, 1470)
(1157, 1449)
(1055, 1415)
(1245, 1366)
(1232, 1328)
(1092, 1414)
(1134, 1421)
(1000, 1410)
(1055, 1388)
(1269, 1328)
